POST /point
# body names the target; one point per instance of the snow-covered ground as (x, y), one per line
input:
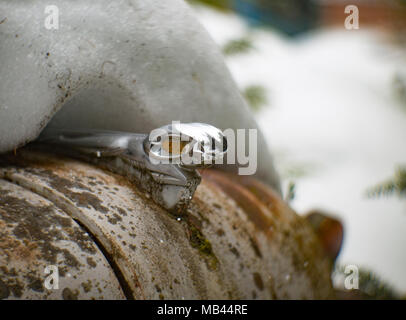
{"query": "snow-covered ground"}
(333, 117)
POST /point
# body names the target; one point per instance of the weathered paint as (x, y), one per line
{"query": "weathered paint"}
(36, 234)
(239, 242)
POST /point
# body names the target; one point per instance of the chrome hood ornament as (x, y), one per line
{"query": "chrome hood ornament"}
(163, 163)
(191, 145)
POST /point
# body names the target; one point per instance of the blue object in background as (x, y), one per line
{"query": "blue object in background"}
(290, 16)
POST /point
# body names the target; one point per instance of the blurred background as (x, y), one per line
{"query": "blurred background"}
(332, 105)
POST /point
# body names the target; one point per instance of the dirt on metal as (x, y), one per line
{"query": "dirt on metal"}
(238, 240)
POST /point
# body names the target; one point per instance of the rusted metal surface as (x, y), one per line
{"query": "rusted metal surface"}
(238, 240)
(36, 234)
(293, 257)
(329, 230)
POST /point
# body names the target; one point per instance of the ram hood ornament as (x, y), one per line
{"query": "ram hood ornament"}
(163, 163)
(191, 145)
